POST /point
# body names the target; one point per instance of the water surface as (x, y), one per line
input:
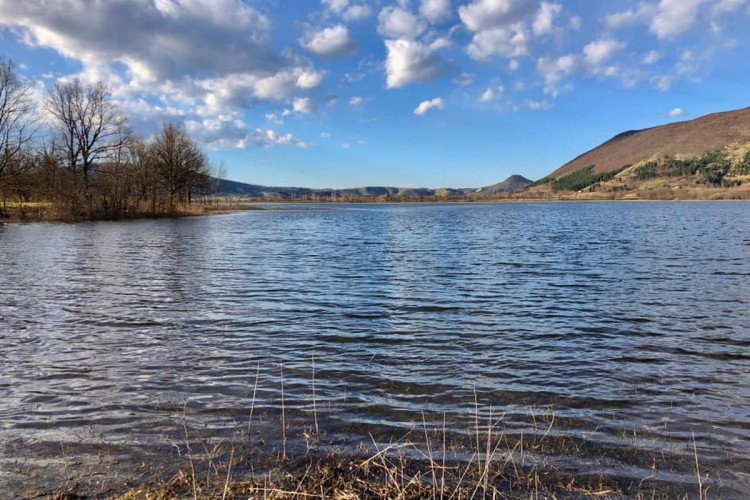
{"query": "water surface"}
(628, 323)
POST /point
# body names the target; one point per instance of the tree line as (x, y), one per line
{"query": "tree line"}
(74, 156)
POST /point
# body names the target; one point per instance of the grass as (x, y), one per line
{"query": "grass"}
(24, 204)
(487, 459)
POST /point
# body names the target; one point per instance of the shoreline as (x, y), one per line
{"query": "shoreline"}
(238, 206)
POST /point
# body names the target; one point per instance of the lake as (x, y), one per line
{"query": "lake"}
(622, 327)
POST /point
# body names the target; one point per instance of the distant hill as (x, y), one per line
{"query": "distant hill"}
(705, 158)
(242, 190)
(685, 139)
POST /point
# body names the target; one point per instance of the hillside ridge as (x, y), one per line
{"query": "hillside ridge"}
(687, 138)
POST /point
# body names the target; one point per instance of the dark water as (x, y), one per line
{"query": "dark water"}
(628, 323)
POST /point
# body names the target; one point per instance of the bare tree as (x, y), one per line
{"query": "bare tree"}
(18, 120)
(89, 127)
(180, 164)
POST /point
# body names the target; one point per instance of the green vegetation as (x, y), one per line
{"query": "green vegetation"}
(541, 182)
(582, 179)
(647, 171)
(743, 167)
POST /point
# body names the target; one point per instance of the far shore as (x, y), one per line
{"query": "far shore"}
(44, 212)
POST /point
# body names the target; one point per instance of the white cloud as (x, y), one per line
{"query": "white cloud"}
(346, 145)
(676, 113)
(347, 11)
(303, 105)
(663, 82)
(481, 15)
(412, 62)
(545, 18)
(190, 34)
(425, 106)
(397, 23)
(330, 43)
(510, 42)
(555, 71)
(621, 19)
(356, 101)
(436, 11)
(464, 79)
(600, 51)
(725, 6)
(652, 57)
(537, 105)
(310, 79)
(337, 6)
(675, 17)
(499, 27)
(356, 13)
(325, 135)
(268, 139)
(491, 93)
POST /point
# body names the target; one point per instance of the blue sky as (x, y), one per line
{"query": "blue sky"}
(412, 93)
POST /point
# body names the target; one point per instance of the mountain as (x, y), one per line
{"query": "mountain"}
(241, 190)
(685, 139)
(708, 157)
(512, 184)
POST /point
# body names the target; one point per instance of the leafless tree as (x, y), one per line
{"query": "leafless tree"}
(180, 164)
(89, 127)
(18, 120)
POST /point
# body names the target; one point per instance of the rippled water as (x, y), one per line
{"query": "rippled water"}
(628, 323)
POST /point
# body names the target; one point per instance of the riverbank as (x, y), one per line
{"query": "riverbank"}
(47, 212)
(425, 462)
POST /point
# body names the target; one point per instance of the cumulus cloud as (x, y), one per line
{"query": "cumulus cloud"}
(436, 11)
(630, 17)
(676, 113)
(491, 93)
(395, 22)
(425, 106)
(215, 59)
(310, 79)
(356, 13)
(555, 71)
(499, 27)
(600, 51)
(330, 43)
(675, 17)
(509, 42)
(197, 36)
(347, 11)
(411, 62)
(481, 15)
(302, 105)
(545, 18)
(268, 138)
(356, 101)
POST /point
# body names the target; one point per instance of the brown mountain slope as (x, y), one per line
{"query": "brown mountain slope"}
(684, 139)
